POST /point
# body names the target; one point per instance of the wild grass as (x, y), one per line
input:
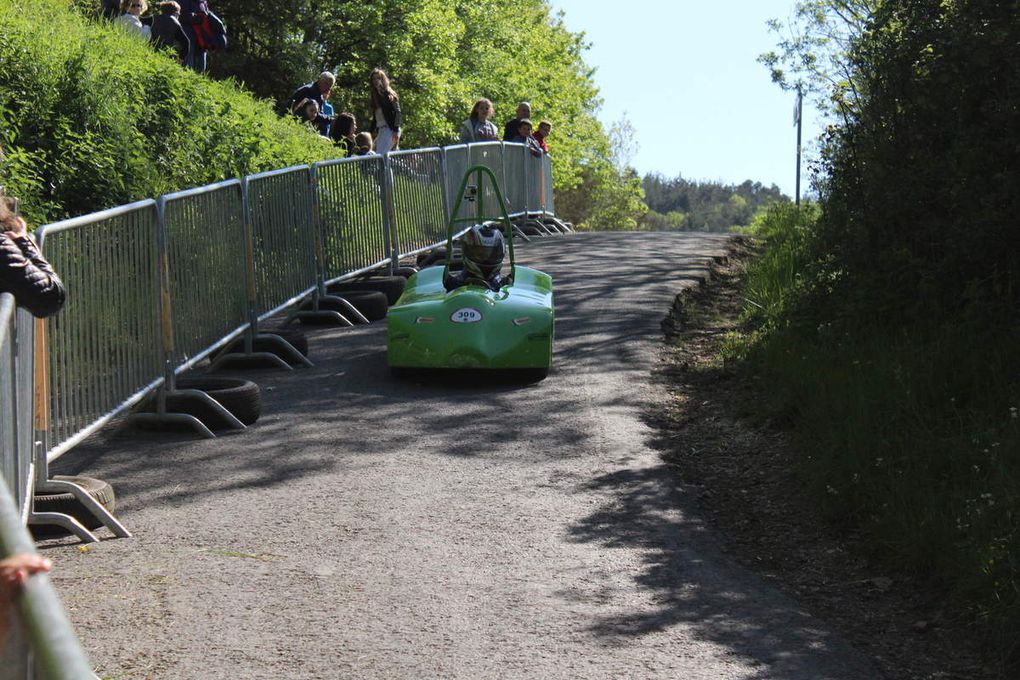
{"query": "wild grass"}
(908, 433)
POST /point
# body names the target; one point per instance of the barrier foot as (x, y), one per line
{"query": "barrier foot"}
(336, 317)
(351, 310)
(185, 418)
(224, 359)
(68, 523)
(520, 234)
(216, 406)
(563, 226)
(90, 503)
(289, 349)
(537, 224)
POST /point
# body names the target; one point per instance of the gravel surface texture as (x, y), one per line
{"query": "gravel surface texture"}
(372, 528)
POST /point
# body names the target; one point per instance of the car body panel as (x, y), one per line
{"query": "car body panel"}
(472, 326)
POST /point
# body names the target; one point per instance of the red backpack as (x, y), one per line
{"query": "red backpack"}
(210, 33)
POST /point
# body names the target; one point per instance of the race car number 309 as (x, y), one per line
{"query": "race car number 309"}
(466, 315)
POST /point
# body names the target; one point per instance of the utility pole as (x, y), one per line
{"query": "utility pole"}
(798, 121)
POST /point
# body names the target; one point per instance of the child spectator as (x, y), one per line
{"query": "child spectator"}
(386, 115)
(327, 110)
(524, 137)
(343, 133)
(510, 129)
(540, 135)
(308, 111)
(131, 19)
(479, 127)
(167, 30)
(363, 144)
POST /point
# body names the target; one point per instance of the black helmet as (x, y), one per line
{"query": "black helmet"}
(483, 247)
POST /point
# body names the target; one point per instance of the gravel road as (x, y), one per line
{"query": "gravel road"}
(367, 528)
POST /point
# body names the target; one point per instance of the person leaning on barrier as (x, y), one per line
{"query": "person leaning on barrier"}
(524, 137)
(542, 133)
(14, 573)
(24, 272)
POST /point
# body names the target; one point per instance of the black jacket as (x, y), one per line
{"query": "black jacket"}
(26, 274)
(167, 31)
(391, 112)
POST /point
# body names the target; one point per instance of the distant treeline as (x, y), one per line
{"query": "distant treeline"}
(680, 204)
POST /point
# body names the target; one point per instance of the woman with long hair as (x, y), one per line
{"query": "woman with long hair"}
(479, 127)
(386, 115)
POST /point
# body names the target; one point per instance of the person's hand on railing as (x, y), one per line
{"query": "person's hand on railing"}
(14, 573)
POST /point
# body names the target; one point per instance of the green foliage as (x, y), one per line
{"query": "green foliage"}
(889, 323)
(703, 206)
(91, 117)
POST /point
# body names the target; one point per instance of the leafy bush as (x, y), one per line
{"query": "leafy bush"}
(91, 117)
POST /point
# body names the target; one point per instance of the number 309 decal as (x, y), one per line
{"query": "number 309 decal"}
(466, 315)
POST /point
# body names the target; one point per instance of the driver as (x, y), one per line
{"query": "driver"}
(483, 248)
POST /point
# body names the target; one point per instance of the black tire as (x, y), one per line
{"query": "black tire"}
(533, 231)
(391, 286)
(372, 304)
(406, 272)
(243, 398)
(66, 504)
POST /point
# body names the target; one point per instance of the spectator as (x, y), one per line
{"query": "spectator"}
(110, 9)
(363, 144)
(308, 111)
(317, 91)
(167, 30)
(542, 133)
(343, 133)
(524, 137)
(24, 272)
(131, 19)
(192, 13)
(386, 116)
(14, 573)
(327, 110)
(479, 127)
(510, 129)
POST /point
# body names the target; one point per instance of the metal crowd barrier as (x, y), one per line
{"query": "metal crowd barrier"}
(16, 407)
(419, 200)
(350, 198)
(279, 211)
(104, 346)
(489, 155)
(205, 241)
(515, 170)
(549, 206)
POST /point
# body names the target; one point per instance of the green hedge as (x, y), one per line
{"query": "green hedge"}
(91, 117)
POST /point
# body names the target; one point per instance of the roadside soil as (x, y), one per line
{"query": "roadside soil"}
(741, 469)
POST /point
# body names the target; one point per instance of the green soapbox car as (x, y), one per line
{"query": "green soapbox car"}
(472, 326)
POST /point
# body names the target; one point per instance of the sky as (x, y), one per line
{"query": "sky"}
(686, 75)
